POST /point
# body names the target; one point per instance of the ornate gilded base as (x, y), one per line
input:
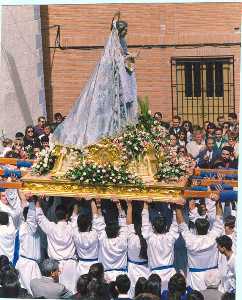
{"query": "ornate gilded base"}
(52, 187)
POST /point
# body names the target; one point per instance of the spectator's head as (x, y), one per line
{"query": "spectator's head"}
(158, 116)
(58, 117)
(232, 138)
(147, 296)
(229, 224)
(177, 284)
(187, 125)
(143, 243)
(47, 129)
(140, 286)
(45, 141)
(153, 285)
(224, 244)
(210, 144)
(97, 290)
(96, 271)
(226, 153)
(173, 140)
(228, 296)
(198, 137)
(205, 125)
(176, 120)
(183, 135)
(159, 225)
(220, 121)
(18, 145)
(29, 132)
(202, 226)
(232, 118)
(4, 218)
(182, 150)
(112, 229)
(19, 135)
(81, 285)
(218, 133)
(211, 128)
(212, 279)
(84, 223)
(50, 268)
(4, 261)
(3, 197)
(122, 284)
(226, 126)
(61, 213)
(10, 284)
(12, 154)
(36, 150)
(41, 121)
(195, 295)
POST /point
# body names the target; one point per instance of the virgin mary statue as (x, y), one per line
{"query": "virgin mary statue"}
(108, 101)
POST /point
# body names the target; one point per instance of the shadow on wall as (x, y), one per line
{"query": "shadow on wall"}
(17, 84)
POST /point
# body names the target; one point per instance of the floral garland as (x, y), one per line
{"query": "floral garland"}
(45, 162)
(92, 174)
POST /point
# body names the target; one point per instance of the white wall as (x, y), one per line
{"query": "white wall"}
(22, 96)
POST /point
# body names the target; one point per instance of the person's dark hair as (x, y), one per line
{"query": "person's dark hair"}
(159, 224)
(96, 271)
(48, 266)
(41, 117)
(228, 296)
(140, 286)
(97, 290)
(190, 128)
(122, 283)
(218, 129)
(177, 117)
(4, 261)
(25, 212)
(230, 221)
(81, 285)
(10, 284)
(158, 113)
(84, 223)
(232, 115)
(177, 284)
(60, 212)
(27, 128)
(57, 115)
(112, 230)
(147, 296)
(225, 241)
(195, 295)
(19, 135)
(153, 285)
(211, 125)
(228, 148)
(44, 139)
(202, 226)
(210, 138)
(4, 218)
(143, 243)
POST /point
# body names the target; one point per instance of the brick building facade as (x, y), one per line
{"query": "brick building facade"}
(189, 61)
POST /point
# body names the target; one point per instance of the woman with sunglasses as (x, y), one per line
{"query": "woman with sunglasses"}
(30, 140)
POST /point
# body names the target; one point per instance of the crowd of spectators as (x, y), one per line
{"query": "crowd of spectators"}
(95, 249)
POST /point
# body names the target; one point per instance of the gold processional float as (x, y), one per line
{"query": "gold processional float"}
(145, 167)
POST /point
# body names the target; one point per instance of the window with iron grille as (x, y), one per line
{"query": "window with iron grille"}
(202, 88)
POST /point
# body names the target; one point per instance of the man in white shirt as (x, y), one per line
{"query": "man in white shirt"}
(60, 243)
(160, 245)
(112, 243)
(225, 244)
(201, 248)
(29, 252)
(195, 146)
(10, 211)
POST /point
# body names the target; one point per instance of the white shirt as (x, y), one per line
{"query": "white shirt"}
(230, 280)
(8, 232)
(86, 243)
(59, 237)
(202, 249)
(160, 246)
(193, 148)
(112, 251)
(29, 236)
